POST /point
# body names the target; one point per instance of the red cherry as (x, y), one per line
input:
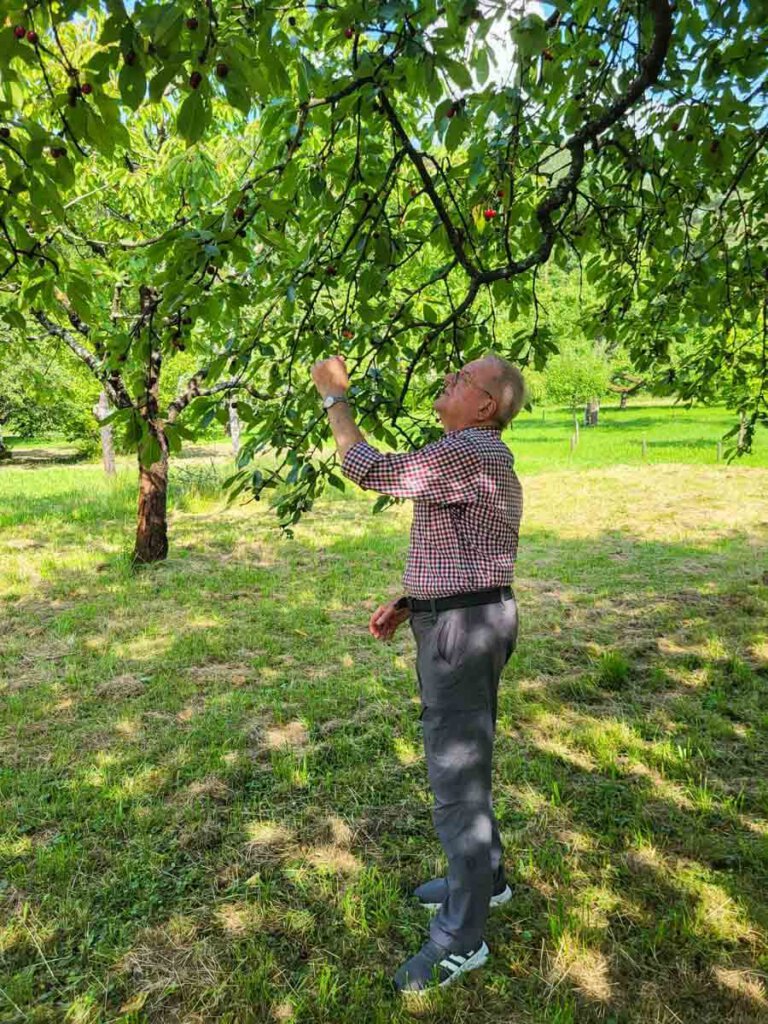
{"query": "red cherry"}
(500, 193)
(330, 270)
(489, 214)
(675, 126)
(349, 32)
(19, 31)
(239, 213)
(452, 111)
(58, 151)
(414, 192)
(547, 55)
(347, 334)
(222, 69)
(86, 88)
(595, 62)
(192, 24)
(32, 36)
(195, 79)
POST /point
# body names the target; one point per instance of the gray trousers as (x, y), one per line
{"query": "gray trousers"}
(460, 656)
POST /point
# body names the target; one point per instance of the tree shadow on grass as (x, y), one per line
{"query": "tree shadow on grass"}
(216, 776)
(36, 458)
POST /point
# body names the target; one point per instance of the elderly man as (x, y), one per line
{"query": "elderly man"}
(467, 507)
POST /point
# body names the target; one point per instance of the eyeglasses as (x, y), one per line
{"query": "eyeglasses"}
(465, 377)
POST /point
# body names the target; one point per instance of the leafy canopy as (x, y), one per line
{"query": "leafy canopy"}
(387, 179)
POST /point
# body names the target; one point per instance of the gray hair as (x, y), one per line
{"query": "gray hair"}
(509, 386)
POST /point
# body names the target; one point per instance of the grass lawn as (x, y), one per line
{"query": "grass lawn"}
(213, 802)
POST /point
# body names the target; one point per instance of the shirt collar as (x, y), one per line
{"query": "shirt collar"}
(460, 430)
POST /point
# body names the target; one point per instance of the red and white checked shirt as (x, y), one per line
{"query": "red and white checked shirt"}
(467, 506)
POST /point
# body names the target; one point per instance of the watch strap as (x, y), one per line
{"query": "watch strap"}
(327, 404)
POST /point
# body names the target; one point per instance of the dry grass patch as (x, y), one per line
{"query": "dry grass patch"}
(121, 687)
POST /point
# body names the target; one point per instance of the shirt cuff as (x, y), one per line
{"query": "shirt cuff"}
(358, 461)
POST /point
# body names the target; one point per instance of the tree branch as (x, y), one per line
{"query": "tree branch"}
(193, 391)
(112, 382)
(417, 159)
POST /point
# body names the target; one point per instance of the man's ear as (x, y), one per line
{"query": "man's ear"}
(488, 408)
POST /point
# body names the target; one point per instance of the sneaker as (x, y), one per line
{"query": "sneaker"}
(434, 893)
(436, 965)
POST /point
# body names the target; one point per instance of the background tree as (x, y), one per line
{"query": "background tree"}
(42, 397)
(398, 177)
(578, 379)
(96, 290)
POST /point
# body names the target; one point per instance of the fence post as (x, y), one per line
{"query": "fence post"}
(719, 451)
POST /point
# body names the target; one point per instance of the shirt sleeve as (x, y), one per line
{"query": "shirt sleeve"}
(441, 473)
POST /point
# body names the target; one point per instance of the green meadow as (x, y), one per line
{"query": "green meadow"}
(213, 801)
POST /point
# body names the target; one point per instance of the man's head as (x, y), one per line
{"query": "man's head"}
(487, 392)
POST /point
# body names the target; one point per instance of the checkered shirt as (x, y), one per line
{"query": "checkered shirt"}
(467, 506)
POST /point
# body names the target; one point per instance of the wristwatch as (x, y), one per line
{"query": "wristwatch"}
(330, 400)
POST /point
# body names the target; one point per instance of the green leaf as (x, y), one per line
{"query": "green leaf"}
(159, 82)
(458, 72)
(193, 117)
(132, 83)
(457, 129)
(149, 449)
(14, 319)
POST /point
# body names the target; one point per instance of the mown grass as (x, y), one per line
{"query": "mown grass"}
(671, 433)
(541, 438)
(213, 802)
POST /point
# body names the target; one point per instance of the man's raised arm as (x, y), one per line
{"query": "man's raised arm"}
(331, 379)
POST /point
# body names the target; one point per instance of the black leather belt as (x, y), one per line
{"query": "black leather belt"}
(441, 604)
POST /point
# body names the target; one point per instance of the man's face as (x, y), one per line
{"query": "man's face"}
(468, 397)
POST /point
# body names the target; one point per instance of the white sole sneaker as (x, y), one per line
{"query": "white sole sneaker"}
(477, 960)
(496, 901)
(455, 963)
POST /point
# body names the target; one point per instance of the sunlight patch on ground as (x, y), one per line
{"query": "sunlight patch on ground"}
(291, 736)
(588, 969)
(143, 648)
(742, 983)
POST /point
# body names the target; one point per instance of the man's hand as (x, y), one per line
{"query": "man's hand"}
(330, 376)
(386, 619)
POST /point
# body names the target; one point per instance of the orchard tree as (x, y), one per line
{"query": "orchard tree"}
(96, 285)
(578, 379)
(391, 179)
(42, 397)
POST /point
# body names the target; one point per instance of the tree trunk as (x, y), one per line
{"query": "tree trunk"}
(152, 525)
(624, 399)
(101, 411)
(591, 412)
(741, 443)
(234, 428)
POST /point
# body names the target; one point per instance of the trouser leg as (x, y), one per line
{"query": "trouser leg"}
(460, 658)
(458, 747)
